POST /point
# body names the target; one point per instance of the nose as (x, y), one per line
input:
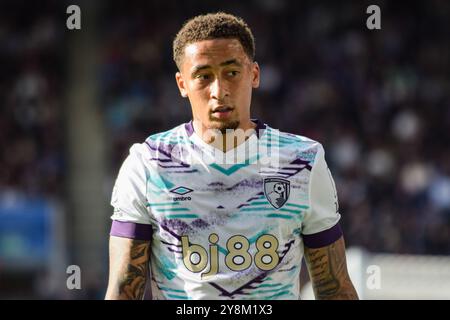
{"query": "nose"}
(218, 89)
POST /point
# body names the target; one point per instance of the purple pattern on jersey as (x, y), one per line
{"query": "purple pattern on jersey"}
(288, 171)
(200, 224)
(246, 184)
(218, 186)
(171, 244)
(287, 270)
(164, 155)
(260, 127)
(189, 128)
(259, 194)
(170, 225)
(175, 251)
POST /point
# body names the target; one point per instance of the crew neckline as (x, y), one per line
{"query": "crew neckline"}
(260, 127)
(259, 132)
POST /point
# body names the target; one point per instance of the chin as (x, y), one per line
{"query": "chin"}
(222, 126)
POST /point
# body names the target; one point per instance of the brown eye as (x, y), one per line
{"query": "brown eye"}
(203, 77)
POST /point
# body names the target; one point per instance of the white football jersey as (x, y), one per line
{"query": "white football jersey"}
(226, 225)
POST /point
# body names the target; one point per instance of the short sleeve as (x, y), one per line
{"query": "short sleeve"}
(131, 217)
(320, 224)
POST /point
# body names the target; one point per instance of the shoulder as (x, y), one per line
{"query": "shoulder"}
(299, 145)
(163, 149)
(139, 152)
(171, 136)
(165, 142)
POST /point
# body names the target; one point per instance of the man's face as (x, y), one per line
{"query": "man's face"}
(217, 76)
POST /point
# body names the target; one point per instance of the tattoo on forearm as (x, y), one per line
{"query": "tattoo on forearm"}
(328, 271)
(132, 285)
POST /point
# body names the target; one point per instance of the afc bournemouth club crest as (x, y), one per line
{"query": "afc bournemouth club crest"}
(276, 191)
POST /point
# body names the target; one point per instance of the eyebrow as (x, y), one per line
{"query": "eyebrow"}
(223, 64)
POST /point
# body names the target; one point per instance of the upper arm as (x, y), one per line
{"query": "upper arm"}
(328, 271)
(128, 268)
(131, 230)
(129, 196)
(322, 236)
(323, 211)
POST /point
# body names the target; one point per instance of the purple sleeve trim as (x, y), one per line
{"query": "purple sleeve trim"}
(323, 238)
(131, 230)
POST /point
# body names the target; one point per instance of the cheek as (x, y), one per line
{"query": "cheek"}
(199, 100)
(202, 98)
(196, 92)
(199, 91)
(243, 91)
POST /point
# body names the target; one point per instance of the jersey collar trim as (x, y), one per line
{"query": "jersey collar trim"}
(260, 127)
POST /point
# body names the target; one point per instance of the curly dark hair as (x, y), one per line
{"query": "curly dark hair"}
(213, 26)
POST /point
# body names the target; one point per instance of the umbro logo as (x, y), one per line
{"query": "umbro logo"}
(181, 191)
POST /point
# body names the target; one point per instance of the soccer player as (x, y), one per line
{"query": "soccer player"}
(213, 226)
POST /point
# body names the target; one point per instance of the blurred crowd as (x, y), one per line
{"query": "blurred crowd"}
(31, 89)
(379, 101)
(32, 154)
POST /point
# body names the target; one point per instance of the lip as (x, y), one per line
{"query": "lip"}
(222, 108)
(222, 112)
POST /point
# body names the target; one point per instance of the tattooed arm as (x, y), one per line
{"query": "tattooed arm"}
(128, 266)
(328, 271)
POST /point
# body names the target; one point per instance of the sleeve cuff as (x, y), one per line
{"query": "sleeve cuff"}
(323, 238)
(131, 230)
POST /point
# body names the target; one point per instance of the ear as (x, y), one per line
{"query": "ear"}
(181, 84)
(255, 75)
